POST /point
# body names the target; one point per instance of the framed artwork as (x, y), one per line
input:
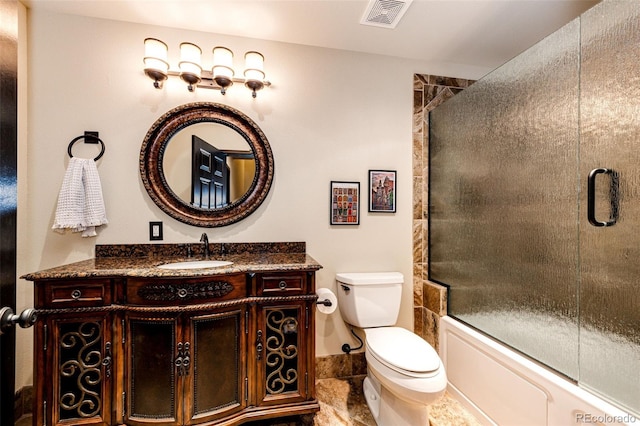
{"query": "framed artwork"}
(382, 191)
(345, 203)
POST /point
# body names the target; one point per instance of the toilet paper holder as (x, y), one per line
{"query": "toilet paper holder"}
(326, 302)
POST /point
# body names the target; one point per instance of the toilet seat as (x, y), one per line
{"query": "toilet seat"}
(402, 351)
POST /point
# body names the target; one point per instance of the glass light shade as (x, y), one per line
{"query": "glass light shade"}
(222, 62)
(156, 65)
(223, 67)
(254, 66)
(190, 68)
(154, 48)
(254, 71)
(189, 52)
(155, 60)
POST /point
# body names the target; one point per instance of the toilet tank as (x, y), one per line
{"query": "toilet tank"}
(369, 299)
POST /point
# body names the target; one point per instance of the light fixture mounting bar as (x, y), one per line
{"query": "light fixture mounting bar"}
(207, 81)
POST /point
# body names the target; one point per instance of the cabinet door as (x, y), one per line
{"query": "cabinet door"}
(282, 353)
(156, 357)
(78, 369)
(185, 368)
(216, 385)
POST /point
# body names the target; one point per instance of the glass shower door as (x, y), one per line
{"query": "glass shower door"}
(503, 201)
(534, 202)
(610, 255)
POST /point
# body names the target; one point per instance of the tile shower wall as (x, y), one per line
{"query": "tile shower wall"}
(429, 299)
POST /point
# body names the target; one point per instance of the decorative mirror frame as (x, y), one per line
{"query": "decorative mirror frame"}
(154, 181)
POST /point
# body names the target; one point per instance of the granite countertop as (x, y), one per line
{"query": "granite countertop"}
(142, 260)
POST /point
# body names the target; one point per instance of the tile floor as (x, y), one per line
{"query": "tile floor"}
(342, 404)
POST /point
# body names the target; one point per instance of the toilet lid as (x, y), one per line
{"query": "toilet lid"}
(402, 350)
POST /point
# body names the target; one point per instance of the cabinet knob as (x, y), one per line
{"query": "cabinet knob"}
(76, 294)
(282, 285)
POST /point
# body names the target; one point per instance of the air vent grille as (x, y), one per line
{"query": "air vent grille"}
(385, 13)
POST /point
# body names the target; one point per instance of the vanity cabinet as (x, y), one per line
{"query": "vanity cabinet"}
(74, 367)
(170, 350)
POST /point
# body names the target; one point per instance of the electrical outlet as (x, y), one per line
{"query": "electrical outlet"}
(155, 231)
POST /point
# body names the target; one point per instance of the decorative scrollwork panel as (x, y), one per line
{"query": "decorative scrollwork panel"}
(281, 350)
(80, 370)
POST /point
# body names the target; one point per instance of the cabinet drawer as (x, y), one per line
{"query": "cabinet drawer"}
(185, 291)
(282, 283)
(79, 293)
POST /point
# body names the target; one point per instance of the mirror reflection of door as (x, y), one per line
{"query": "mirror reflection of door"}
(181, 159)
(209, 175)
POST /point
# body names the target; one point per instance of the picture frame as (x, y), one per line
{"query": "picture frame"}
(382, 191)
(344, 199)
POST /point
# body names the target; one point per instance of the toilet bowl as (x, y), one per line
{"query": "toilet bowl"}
(406, 364)
(404, 376)
(404, 372)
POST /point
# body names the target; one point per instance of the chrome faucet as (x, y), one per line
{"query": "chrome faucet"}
(205, 239)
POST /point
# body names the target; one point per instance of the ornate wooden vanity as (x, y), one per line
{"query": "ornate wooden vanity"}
(120, 341)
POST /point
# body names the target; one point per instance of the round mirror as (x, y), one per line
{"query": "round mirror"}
(206, 164)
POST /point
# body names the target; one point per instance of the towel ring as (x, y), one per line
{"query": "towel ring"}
(84, 137)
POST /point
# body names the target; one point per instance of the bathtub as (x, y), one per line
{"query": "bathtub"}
(501, 387)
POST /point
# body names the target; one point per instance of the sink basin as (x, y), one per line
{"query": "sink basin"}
(196, 264)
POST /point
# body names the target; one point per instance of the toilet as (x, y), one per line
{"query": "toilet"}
(404, 373)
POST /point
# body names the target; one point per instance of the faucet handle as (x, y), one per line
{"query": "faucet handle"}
(204, 238)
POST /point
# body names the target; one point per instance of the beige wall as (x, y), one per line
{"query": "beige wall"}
(343, 112)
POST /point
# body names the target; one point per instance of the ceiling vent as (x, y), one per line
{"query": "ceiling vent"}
(385, 13)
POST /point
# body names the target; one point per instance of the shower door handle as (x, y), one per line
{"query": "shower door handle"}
(591, 197)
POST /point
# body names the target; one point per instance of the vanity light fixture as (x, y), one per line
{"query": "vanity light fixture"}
(155, 61)
(222, 69)
(221, 76)
(254, 71)
(190, 68)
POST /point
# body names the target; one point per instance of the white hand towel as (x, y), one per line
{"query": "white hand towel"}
(80, 203)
